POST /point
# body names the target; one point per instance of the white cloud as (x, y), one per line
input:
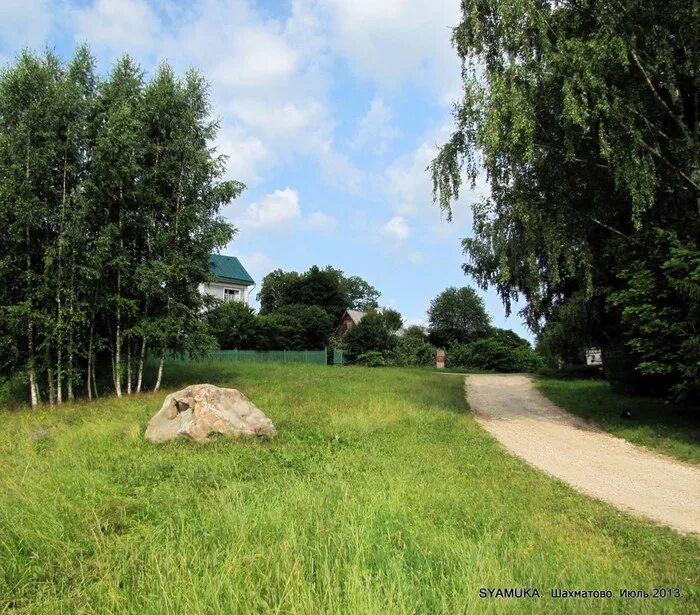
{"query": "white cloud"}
(278, 211)
(397, 41)
(116, 25)
(397, 228)
(24, 23)
(322, 223)
(375, 127)
(247, 155)
(339, 170)
(270, 77)
(259, 59)
(408, 183)
(408, 186)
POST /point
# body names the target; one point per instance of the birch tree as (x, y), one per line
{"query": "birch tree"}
(584, 116)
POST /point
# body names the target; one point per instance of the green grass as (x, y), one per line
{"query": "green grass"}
(380, 494)
(666, 428)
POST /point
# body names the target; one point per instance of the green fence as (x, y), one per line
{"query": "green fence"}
(338, 357)
(318, 357)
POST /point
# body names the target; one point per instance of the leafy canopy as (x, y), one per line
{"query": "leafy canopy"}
(457, 315)
(584, 116)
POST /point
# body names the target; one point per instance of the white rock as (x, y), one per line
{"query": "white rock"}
(201, 410)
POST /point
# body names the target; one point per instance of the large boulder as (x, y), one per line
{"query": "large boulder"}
(201, 410)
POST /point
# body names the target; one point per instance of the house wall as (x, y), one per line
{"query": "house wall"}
(216, 289)
(346, 324)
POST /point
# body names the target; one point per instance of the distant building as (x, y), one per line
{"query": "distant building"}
(594, 357)
(350, 319)
(232, 280)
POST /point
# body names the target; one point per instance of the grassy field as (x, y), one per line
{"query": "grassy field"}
(380, 495)
(663, 427)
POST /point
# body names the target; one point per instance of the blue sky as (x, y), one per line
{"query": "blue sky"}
(330, 111)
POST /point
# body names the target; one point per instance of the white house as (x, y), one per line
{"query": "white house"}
(232, 280)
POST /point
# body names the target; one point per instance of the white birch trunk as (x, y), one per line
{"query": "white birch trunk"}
(160, 376)
(139, 380)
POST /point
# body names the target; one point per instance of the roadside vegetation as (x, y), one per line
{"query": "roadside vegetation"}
(652, 422)
(380, 493)
(584, 118)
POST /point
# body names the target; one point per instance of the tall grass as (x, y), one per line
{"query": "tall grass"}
(380, 495)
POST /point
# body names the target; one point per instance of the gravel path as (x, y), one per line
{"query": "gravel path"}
(633, 479)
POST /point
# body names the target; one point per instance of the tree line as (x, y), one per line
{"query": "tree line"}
(585, 117)
(109, 198)
(303, 310)
(298, 311)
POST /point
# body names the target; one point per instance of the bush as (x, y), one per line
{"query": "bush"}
(494, 354)
(458, 355)
(233, 325)
(371, 358)
(313, 323)
(278, 332)
(372, 333)
(411, 352)
(415, 331)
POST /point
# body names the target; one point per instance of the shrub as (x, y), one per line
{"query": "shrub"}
(411, 351)
(233, 325)
(372, 333)
(314, 324)
(279, 331)
(371, 358)
(458, 355)
(415, 331)
(494, 354)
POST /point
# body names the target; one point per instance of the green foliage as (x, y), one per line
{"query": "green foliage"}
(278, 332)
(510, 338)
(314, 324)
(371, 358)
(393, 319)
(573, 326)
(360, 294)
(233, 324)
(371, 333)
(584, 116)
(501, 353)
(457, 315)
(314, 300)
(660, 307)
(416, 332)
(110, 195)
(411, 351)
(327, 288)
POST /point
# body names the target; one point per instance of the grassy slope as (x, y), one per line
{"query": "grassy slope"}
(380, 495)
(654, 424)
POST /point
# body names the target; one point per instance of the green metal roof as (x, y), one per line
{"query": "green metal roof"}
(229, 268)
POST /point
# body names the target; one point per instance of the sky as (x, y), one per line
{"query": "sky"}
(330, 112)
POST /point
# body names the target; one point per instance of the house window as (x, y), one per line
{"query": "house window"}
(231, 294)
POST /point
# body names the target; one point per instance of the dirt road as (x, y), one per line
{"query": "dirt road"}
(633, 479)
